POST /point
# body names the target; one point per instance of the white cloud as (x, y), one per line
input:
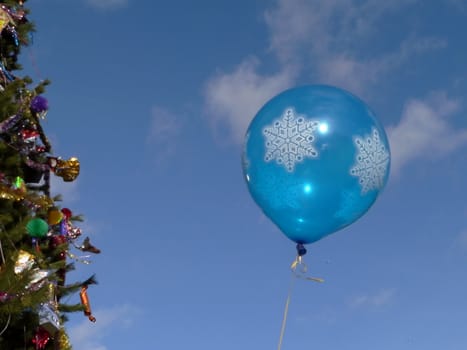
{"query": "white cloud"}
(324, 28)
(325, 36)
(319, 38)
(356, 74)
(234, 98)
(107, 4)
(87, 335)
(379, 299)
(424, 130)
(164, 128)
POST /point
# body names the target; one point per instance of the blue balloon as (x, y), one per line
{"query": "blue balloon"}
(315, 159)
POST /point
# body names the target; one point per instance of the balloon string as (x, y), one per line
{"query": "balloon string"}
(286, 310)
(299, 270)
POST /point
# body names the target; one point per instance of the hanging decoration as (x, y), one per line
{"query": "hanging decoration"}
(48, 317)
(66, 169)
(86, 304)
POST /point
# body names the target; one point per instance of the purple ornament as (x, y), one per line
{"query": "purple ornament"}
(39, 105)
(4, 296)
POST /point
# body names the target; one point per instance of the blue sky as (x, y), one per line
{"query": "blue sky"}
(155, 97)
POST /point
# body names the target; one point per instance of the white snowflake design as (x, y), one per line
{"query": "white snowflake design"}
(371, 162)
(290, 139)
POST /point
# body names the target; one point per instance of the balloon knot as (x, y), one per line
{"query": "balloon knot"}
(301, 250)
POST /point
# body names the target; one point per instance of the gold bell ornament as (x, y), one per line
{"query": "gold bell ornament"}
(66, 169)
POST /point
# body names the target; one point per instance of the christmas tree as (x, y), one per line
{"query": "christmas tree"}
(37, 235)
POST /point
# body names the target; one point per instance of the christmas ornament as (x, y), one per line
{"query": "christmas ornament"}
(48, 318)
(88, 247)
(4, 297)
(41, 338)
(39, 106)
(54, 217)
(24, 261)
(85, 302)
(67, 169)
(37, 228)
(67, 213)
(29, 137)
(20, 185)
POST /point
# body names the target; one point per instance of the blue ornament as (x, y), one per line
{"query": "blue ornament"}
(315, 159)
(39, 105)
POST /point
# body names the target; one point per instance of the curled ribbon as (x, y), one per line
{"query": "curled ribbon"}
(85, 301)
(300, 269)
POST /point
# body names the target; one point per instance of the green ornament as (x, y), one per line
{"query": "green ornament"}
(19, 184)
(37, 228)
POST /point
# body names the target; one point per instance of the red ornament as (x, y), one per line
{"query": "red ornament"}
(29, 135)
(41, 338)
(67, 213)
